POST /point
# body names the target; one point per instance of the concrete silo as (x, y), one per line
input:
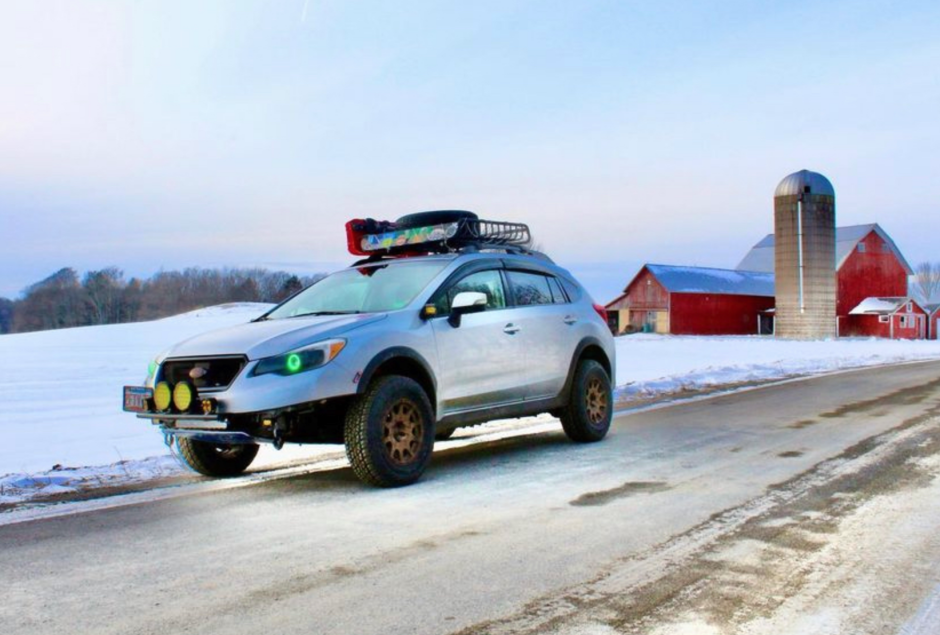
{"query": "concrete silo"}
(805, 256)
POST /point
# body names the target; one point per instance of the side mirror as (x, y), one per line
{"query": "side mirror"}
(464, 303)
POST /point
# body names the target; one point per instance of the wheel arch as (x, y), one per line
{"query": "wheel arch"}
(403, 361)
(588, 348)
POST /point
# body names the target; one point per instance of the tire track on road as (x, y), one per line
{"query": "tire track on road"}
(775, 531)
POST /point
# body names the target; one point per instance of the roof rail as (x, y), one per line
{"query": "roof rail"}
(470, 249)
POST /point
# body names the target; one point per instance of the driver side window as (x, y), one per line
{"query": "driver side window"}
(487, 282)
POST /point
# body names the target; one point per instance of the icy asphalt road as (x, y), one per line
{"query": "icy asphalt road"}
(806, 507)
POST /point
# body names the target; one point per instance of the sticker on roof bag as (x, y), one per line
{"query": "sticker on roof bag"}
(412, 236)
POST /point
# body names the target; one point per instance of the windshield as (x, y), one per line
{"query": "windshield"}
(367, 289)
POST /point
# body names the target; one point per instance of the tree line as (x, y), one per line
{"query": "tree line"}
(66, 299)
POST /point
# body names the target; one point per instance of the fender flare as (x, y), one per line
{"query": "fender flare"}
(389, 354)
(583, 345)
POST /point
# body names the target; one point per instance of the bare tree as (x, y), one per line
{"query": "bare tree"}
(104, 290)
(6, 315)
(927, 281)
(290, 286)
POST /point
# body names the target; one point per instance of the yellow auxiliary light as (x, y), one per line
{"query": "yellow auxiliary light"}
(162, 396)
(183, 395)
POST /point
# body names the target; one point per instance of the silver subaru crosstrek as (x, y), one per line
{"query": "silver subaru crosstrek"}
(437, 330)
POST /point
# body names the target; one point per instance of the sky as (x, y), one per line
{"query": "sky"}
(166, 134)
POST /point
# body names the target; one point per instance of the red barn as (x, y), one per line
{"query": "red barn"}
(868, 265)
(897, 318)
(693, 301)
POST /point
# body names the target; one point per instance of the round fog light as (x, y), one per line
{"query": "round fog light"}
(183, 396)
(162, 396)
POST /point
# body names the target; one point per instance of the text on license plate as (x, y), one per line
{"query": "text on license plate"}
(135, 398)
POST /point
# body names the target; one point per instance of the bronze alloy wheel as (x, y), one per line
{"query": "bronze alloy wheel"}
(596, 401)
(389, 432)
(403, 432)
(586, 418)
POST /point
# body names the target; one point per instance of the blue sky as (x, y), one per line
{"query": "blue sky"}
(169, 134)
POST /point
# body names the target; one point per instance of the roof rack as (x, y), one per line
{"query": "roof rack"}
(376, 239)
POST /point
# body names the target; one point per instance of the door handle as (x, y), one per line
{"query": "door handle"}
(570, 319)
(511, 329)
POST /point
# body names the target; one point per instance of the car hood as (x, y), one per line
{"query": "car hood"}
(270, 337)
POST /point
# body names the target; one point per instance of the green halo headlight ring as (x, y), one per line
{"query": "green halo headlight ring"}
(162, 396)
(300, 360)
(294, 363)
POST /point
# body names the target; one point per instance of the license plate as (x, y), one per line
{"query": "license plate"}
(135, 398)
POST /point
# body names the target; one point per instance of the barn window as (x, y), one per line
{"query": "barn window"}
(883, 319)
(910, 307)
(903, 321)
(861, 248)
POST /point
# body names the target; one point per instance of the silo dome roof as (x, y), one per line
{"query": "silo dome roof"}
(797, 183)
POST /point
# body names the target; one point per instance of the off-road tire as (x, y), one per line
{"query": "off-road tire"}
(441, 217)
(213, 459)
(389, 432)
(587, 416)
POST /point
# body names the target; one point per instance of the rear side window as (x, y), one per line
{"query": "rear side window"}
(558, 296)
(574, 292)
(488, 282)
(530, 289)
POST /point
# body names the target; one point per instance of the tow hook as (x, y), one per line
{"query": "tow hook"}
(280, 427)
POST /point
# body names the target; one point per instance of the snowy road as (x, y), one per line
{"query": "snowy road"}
(809, 507)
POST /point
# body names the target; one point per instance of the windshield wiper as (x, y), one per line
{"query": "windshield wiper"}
(325, 313)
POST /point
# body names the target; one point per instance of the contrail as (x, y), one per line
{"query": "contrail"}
(303, 14)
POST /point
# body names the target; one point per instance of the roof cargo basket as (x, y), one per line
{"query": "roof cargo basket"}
(433, 232)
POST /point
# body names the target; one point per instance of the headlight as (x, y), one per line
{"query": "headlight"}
(300, 360)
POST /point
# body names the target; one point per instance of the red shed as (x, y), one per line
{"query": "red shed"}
(933, 316)
(868, 264)
(897, 318)
(693, 301)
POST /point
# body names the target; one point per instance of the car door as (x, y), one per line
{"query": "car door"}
(481, 361)
(546, 320)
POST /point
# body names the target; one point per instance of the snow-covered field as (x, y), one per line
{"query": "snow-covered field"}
(60, 391)
(648, 365)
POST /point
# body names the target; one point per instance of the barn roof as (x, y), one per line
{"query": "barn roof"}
(761, 256)
(931, 308)
(678, 279)
(880, 306)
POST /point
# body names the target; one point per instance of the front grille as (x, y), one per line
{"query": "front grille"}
(208, 373)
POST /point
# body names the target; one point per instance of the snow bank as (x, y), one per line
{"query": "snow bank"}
(60, 391)
(652, 364)
(15, 488)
